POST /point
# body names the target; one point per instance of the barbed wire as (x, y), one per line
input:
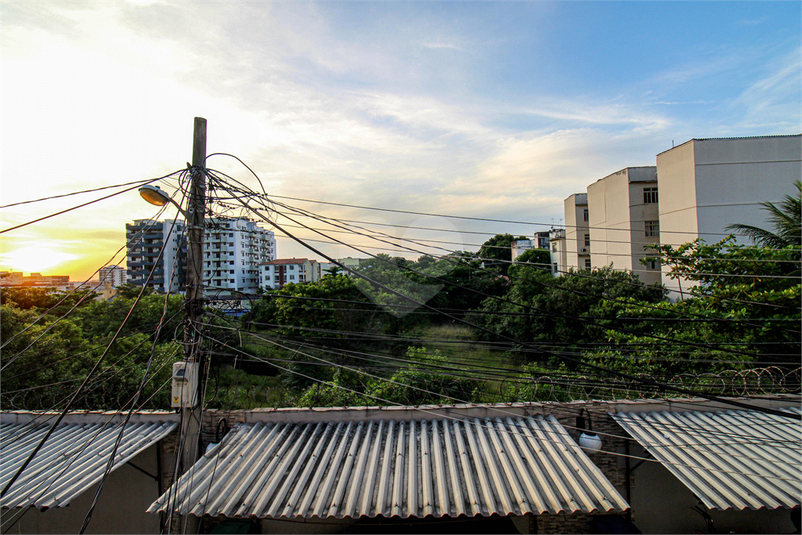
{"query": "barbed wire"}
(771, 380)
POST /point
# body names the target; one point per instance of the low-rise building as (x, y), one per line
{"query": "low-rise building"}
(559, 255)
(34, 280)
(624, 221)
(276, 273)
(577, 232)
(708, 184)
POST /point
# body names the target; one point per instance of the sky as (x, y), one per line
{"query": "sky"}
(493, 110)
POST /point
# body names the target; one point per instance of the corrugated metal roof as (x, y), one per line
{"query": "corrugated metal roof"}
(72, 460)
(728, 459)
(391, 468)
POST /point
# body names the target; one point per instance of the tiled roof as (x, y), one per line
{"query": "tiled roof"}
(284, 261)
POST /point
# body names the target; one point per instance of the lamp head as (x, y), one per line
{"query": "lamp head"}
(154, 195)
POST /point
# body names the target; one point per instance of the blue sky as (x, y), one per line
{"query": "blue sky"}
(488, 109)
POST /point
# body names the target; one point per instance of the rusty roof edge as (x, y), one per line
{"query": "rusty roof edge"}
(87, 416)
(489, 410)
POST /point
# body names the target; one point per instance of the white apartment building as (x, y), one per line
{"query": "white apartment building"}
(145, 239)
(704, 186)
(559, 256)
(577, 233)
(114, 275)
(276, 273)
(707, 184)
(623, 219)
(233, 250)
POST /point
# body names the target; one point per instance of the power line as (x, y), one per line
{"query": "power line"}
(61, 212)
(141, 181)
(575, 361)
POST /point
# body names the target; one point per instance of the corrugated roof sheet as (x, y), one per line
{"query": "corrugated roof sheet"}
(72, 460)
(394, 468)
(728, 459)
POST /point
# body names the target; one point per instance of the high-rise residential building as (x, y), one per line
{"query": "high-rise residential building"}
(114, 275)
(276, 273)
(233, 250)
(145, 239)
(623, 221)
(708, 184)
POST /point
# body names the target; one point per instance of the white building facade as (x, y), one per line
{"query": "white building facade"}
(708, 184)
(233, 250)
(577, 232)
(623, 219)
(114, 275)
(273, 275)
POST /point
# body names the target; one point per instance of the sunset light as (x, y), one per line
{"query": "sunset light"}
(40, 258)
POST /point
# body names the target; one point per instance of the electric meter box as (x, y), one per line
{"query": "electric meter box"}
(185, 385)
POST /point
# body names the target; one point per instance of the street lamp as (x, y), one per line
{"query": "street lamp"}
(155, 196)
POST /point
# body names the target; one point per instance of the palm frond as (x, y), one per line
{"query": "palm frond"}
(785, 219)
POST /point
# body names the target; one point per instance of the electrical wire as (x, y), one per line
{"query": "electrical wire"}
(61, 212)
(575, 361)
(141, 181)
(81, 387)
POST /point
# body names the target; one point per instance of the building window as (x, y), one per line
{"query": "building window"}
(649, 195)
(587, 263)
(587, 240)
(292, 277)
(276, 278)
(652, 228)
(653, 263)
(292, 268)
(585, 216)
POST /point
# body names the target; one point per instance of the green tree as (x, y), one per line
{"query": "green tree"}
(45, 299)
(571, 311)
(540, 258)
(497, 251)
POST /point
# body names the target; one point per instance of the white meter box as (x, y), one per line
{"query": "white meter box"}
(185, 384)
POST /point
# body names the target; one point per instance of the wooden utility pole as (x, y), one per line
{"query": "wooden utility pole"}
(193, 303)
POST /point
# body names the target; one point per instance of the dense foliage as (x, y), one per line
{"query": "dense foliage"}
(45, 361)
(466, 327)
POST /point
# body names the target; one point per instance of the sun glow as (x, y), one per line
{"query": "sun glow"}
(34, 259)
